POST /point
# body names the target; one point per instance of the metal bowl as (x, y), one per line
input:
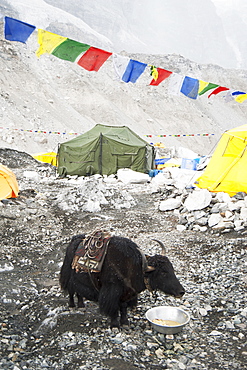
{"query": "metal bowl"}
(177, 319)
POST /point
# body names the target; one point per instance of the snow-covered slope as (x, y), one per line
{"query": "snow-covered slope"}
(52, 95)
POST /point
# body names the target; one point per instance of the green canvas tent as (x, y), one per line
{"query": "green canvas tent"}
(103, 150)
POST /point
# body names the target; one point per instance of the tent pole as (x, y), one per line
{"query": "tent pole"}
(100, 153)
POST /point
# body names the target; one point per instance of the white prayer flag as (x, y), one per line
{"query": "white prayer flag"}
(175, 84)
(120, 63)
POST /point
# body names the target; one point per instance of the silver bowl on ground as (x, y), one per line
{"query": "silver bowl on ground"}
(167, 319)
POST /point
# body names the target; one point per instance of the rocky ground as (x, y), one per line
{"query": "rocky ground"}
(38, 331)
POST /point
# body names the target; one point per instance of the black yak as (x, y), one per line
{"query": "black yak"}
(125, 272)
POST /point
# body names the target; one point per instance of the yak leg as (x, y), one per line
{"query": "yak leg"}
(109, 302)
(123, 310)
(80, 301)
(71, 299)
(123, 314)
(71, 292)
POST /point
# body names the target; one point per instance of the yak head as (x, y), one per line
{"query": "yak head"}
(160, 274)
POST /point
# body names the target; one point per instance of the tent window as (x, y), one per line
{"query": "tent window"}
(235, 147)
(125, 161)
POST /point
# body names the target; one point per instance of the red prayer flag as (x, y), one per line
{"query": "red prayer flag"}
(218, 90)
(93, 59)
(162, 75)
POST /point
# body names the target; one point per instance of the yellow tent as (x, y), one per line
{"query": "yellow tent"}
(227, 169)
(47, 157)
(8, 183)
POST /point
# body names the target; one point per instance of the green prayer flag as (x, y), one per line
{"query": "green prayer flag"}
(70, 50)
(208, 87)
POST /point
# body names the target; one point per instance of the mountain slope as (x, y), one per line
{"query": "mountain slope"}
(52, 95)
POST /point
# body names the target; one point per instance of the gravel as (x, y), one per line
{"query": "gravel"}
(37, 329)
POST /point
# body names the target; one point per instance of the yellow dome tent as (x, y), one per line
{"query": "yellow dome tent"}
(8, 183)
(227, 169)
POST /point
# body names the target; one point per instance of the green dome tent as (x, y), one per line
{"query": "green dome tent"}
(104, 150)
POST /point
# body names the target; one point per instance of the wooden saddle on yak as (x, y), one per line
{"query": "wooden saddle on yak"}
(90, 254)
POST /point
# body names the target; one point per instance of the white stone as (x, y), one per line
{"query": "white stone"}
(229, 325)
(190, 218)
(214, 219)
(199, 214)
(128, 176)
(235, 206)
(238, 228)
(244, 312)
(238, 223)
(31, 175)
(228, 214)
(92, 206)
(170, 204)
(243, 213)
(200, 228)
(181, 228)
(203, 228)
(197, 200)
(223, 197)
(159, 353)
(224, 224)
(215, 333)
(169, 336)
(216, 208)
(202, 311)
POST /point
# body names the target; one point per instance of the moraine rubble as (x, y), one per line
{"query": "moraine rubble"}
(204, 238)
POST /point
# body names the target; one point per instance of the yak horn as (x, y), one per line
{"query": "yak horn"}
(163, 253)
(149, 269)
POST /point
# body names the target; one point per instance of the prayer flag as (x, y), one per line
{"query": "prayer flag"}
(229, 96)
(162, 75)
(48, 41)
(218, 90)
(69, 50)
(190, 87)
(241, 98)
(202, 85)
(16, 30)
(120, 63)
(235, 93)
(93, 59)
(175, 84)
(154, 73)
(209, 86)
(133, 71)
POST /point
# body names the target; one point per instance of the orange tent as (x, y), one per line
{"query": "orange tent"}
(8, 183)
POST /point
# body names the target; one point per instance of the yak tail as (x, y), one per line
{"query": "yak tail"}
(66, 269)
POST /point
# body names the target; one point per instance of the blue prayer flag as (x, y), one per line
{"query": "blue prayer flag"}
(133, 71)
(16, 30)
(238, 93)
(190, 87)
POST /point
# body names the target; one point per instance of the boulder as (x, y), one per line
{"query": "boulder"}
(198, 200)
(170, 204)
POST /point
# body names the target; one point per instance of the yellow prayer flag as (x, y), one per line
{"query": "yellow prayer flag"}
(154, 73)
(48, 41)
(202, 85)
(240, 98)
